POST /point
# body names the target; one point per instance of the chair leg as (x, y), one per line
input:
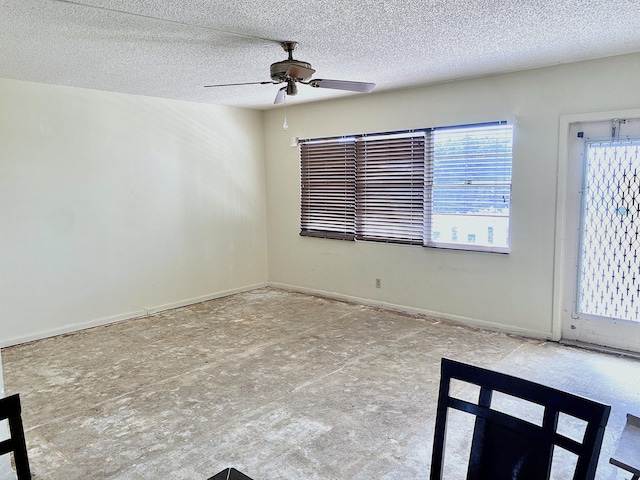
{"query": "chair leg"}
(20, 452)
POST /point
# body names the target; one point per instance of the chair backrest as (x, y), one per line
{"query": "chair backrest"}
(230, 474)
(11, 410)
(507, 447)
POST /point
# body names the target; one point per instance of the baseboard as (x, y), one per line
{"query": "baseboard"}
(72, 327)
(99, 322)
(461, 320)
(203, 298)
(457, 319)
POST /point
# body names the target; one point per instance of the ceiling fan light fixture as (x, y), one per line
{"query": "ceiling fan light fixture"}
(292, 89)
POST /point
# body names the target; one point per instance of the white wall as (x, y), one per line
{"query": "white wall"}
(509, 292)
(112, 205)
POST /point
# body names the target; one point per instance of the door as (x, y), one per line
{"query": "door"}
(601, 298)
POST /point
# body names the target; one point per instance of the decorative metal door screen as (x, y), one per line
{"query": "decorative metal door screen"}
(609, 273)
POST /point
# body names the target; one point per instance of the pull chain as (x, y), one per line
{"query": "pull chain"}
(285, 126)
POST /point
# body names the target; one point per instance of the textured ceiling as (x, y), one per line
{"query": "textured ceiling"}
(170, 48)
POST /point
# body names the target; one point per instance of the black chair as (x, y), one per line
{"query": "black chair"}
(11, 410)
(230, 474)
(507, 447)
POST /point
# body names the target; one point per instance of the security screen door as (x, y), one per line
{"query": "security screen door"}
(606, 289)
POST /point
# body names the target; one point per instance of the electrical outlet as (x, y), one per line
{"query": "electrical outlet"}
(378, 283)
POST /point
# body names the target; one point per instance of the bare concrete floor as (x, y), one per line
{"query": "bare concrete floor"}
(277, 384)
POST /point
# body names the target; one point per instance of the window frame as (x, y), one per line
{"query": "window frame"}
(472, 246)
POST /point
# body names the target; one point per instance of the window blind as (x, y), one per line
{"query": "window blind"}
(328, 188)
(390, 189)
(446, 187)
(472, 186)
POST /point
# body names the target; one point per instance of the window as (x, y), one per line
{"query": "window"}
(472, 187)
(444, 187)
(390, 188)
(328, 173)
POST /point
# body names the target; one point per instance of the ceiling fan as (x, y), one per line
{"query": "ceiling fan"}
(292, 71)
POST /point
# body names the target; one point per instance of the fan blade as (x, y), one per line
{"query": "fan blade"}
(280, 96)
(299, 73)
(235, 84)
(362, 87)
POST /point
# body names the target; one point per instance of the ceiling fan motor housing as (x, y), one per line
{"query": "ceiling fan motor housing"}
(279, 69)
